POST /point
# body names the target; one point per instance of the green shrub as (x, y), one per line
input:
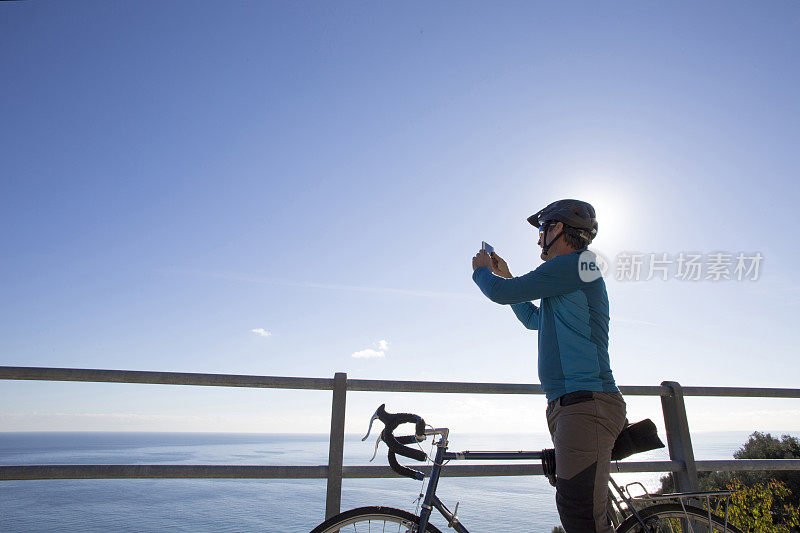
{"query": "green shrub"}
(778, 490)
(751, 508)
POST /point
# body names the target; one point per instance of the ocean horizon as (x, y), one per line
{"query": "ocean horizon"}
(504, 504)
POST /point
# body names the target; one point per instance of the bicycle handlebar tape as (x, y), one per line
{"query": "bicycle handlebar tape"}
(395, 446)
(549, 465)
(403, 470)
(391, 421)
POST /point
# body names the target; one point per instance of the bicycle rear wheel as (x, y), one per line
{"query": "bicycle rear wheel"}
(373, 520)
(673, 518)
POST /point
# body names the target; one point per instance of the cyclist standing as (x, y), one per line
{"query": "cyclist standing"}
(585, 411)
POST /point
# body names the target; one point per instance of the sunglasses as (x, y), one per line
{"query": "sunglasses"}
(544, 227)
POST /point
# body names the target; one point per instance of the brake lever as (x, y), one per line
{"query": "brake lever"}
(369, 429)
(377, 443)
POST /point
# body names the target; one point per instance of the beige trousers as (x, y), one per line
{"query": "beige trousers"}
(584, 426)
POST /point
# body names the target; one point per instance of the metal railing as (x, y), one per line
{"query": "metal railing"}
(682, 462)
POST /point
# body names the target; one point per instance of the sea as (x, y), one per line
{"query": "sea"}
(487, 504)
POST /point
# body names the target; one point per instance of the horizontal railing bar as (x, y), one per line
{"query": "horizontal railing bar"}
(160, 471)
(15, 472)
(743, 392)
(644, 390)
(281, 382)
(442, 387)
(232, 380)
(162, 378)
(376, 385)
(731, 465)
(28, 472)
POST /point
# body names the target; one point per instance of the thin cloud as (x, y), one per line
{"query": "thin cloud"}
(373, 353)
(369, 353)
(261, 332)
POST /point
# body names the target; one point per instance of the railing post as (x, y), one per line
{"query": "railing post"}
(679, 440)
(333, 500)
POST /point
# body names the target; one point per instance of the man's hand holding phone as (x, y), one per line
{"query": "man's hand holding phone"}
(482, 259)
(499, 267)
(488, 258)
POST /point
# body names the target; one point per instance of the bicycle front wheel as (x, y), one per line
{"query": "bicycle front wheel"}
(373, 520)
(673, 518)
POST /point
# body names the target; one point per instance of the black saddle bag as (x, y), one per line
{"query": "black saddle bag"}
(635, 438)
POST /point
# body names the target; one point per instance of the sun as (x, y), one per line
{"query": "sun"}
(615, 225)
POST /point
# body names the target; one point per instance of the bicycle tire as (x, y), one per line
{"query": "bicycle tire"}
(373, 519)
(662, 518)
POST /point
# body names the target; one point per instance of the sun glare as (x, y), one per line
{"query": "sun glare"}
(614, 220)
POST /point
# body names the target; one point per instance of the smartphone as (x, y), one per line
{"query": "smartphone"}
(488, 247)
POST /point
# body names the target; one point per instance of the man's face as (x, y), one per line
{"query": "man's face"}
(547, 232)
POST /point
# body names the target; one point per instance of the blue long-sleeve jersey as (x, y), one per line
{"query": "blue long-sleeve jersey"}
(572, 321)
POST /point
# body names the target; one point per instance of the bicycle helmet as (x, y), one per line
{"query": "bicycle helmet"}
(579, 219)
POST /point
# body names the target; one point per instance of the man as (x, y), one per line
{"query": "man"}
(585, 411)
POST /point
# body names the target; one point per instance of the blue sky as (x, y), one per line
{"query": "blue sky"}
(175, 176)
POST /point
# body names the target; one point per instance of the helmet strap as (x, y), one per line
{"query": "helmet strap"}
(546, 246)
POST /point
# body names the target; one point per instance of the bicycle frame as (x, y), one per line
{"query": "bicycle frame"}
(431, 501)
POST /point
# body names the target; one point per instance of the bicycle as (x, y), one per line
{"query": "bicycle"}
(646, 513)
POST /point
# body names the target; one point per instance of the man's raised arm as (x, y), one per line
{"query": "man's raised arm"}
(556, 276)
